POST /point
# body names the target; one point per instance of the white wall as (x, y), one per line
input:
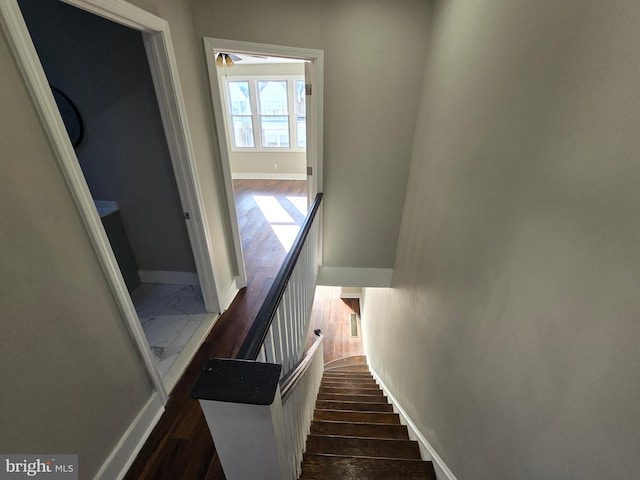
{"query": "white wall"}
(511, 336)
(72, 380)
(374, 59)
(261, 164)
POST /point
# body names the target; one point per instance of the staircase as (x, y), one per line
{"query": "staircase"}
(355, 434)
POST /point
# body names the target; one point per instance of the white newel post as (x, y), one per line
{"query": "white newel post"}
(242, 405)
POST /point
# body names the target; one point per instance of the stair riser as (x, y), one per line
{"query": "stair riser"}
(354, 406)
(352, 391)
(349, 383)
(344, 378)
(357, 376)
(364, 375)
(357, 417)
(354, 368)
(351, 386)
(359, 430)
(351, 398)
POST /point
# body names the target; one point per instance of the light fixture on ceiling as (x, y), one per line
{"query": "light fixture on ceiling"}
(226, 59)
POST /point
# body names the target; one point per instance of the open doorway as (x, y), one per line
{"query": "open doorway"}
(264, 114)
(100, 69)
(269, 125)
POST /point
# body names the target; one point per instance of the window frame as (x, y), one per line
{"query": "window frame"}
(255, 112)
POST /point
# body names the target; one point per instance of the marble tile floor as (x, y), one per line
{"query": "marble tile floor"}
(169, 314)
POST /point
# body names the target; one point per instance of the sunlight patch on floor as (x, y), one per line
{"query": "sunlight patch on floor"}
(286, 234)
(300, 203)
(272, 210)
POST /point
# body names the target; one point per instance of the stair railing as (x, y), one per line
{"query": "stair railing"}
(279, 331)
(299, 393)
(259, 406)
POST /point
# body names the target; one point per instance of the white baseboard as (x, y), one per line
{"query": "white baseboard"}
(186, 355)
(426, 450)
(355, 277)
(228, 294)
(268, 176)
(125, 452)
(168, 278)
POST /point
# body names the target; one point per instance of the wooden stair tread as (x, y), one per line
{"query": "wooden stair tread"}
(366, 447)
(352, 390)
(357, 416)
(355, 435)
(350, 381)
(354, 429)
(353, 406)
(350, 368)
(341, 374)
(320, 467)
(349, 397)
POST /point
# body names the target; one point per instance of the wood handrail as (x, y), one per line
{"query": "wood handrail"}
(290, 380)
(251, 346)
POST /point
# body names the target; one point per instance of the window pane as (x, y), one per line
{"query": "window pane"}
(275, 131)
(243, 132)
(302, 132)
(239, 98)
(300, 99)
(272, 96)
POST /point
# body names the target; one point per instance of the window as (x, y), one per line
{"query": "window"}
(267, 113)
(301, 114)
(241, 118)
(274, 115)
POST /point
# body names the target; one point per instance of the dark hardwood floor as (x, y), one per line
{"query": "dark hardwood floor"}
(330, 314)
(180, 446)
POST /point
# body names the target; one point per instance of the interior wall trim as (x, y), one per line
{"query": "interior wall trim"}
(230, 293)
(426, 449)
(314, 68)
(122, 456)
(268, 176)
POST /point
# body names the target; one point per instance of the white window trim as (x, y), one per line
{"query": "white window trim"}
(255, 115)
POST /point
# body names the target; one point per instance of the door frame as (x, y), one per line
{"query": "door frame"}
(313, 76)
(162, 63)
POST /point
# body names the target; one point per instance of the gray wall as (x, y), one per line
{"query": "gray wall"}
(103, 68)
(512, 333)
(374, 59)
(195, 89)
(72, 381)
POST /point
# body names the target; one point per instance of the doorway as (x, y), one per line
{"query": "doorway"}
(159, 57)
(100, 70)
(267, 102)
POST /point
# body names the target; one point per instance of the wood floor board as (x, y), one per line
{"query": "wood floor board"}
(331, 314)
